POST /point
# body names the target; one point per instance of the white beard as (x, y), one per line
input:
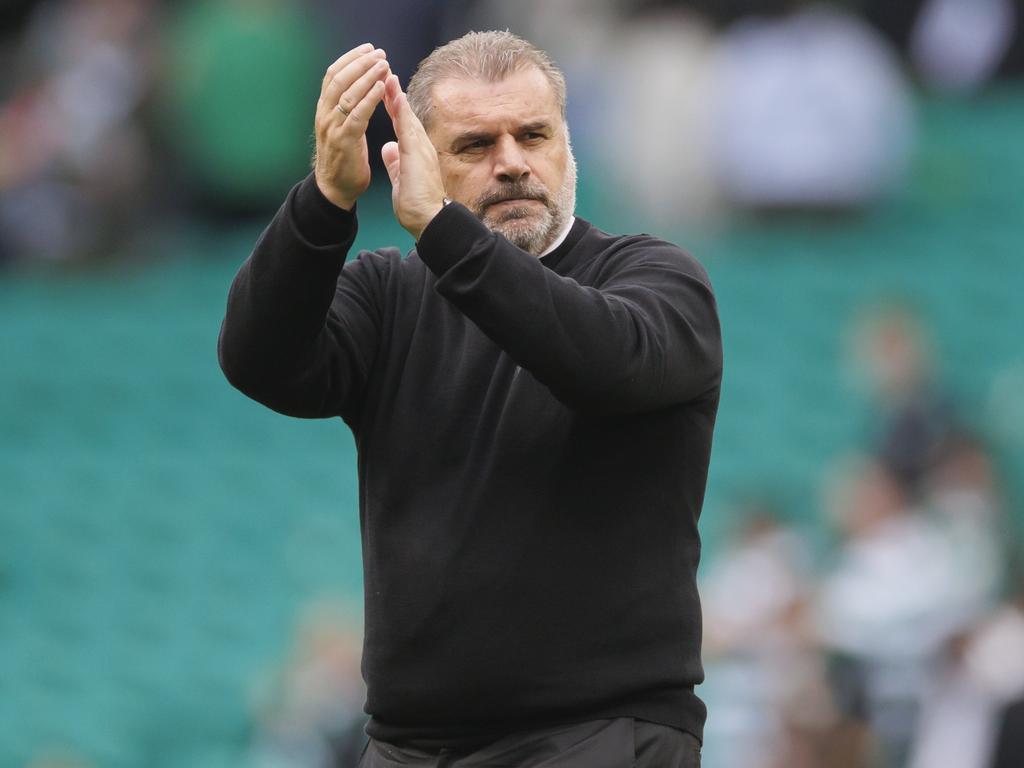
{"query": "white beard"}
(532, 230)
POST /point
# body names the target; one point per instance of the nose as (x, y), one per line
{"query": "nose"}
(509, 160)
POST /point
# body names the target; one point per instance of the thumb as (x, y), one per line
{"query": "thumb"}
(389, 154)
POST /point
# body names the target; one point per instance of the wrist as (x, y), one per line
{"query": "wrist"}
(346, 204)
(320, 221)
(425, 221)
(334, 197)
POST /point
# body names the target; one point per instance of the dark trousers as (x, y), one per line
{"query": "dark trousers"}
(619, 743)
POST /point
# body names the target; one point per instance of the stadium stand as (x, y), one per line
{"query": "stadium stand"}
(160, 533)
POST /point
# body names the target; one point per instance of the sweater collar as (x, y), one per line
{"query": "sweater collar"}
(565, 243)
(561, 236)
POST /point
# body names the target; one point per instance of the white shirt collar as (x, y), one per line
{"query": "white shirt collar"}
(561, 237)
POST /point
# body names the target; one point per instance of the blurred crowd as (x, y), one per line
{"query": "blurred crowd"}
(900, 643)
(897, 644)
(120, 118)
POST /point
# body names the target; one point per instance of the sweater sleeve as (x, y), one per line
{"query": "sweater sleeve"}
(647, 337)
(302, 327)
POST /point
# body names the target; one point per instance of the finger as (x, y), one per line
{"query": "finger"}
(343, 78)
(392, 89)
(346, 76)
(389, 154)
(406, 124)
(355, 124)
(358, 90)
(343, 61)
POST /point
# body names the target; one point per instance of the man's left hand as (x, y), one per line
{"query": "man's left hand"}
(417, 191)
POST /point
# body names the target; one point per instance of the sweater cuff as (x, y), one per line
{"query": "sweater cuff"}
(319, 221)
(449, 237)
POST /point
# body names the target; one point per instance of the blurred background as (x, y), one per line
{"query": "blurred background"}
(180, 577)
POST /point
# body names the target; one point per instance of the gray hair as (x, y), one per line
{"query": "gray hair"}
(488, 56)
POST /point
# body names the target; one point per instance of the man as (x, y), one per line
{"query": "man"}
(532, 401)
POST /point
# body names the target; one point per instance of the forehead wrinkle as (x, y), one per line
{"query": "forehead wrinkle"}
(471, 104)
(502, 113)
(484, 127)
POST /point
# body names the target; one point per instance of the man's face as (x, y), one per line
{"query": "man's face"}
(505, 155)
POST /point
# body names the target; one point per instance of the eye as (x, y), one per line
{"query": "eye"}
(475, 146)
(533, 137)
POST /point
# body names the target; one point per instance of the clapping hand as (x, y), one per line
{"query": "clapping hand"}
(417, 189)
(352, 88)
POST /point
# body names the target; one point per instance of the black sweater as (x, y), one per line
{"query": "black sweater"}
(533, 439)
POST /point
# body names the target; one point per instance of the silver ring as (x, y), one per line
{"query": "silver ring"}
(341, 109)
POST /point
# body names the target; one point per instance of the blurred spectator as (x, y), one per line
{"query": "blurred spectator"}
(962, 492)
(960, 44)
(75, 157)
(310, 712)
(915, 420)
(955, 44)
(971, 718)
(1004, 647)
(240, 92)
(811, 112)
(891, 601)
(770, 566)
(656, 129)
(772, 702)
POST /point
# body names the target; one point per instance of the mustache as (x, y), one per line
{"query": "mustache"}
(514, 191)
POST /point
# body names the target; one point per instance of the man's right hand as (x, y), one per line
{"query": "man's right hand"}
(351, 90)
